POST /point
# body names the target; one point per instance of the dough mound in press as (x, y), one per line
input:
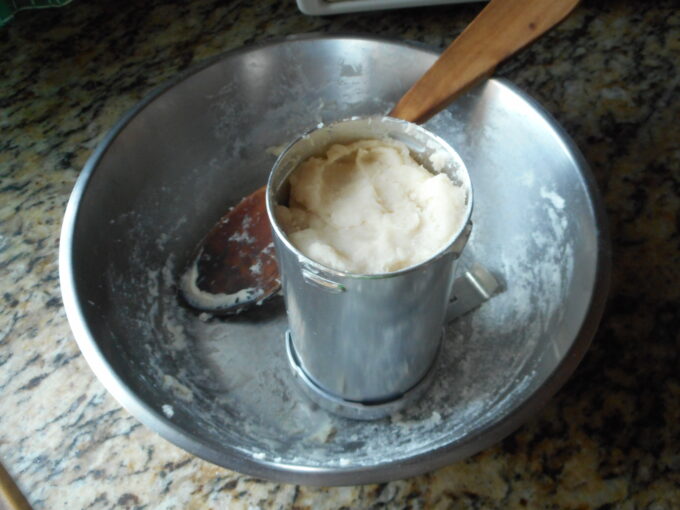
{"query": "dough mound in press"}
(368, 207)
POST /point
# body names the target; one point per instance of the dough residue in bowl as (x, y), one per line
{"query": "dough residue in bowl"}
(368, 207)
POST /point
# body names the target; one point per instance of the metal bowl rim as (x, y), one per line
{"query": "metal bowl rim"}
(238, 460)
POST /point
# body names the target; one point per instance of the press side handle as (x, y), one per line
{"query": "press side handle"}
(470, 290)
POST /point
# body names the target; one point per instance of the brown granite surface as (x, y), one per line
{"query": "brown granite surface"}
(610, 439)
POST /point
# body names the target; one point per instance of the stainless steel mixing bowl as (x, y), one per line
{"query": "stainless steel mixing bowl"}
(221, 389)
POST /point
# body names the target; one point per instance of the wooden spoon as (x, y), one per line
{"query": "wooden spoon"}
(11, 497)
(232, 261)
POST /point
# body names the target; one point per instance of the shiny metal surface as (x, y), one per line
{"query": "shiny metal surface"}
(377, 339)
(353, 409)
(470, 290)
(222, 389)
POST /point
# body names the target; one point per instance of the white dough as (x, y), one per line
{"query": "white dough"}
(368, 207)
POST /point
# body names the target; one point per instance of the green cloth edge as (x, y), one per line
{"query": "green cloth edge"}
(8, 8)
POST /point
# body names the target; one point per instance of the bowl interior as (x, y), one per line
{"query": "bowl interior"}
(221, 388)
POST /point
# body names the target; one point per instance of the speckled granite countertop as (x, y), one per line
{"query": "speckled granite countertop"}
(609, 439)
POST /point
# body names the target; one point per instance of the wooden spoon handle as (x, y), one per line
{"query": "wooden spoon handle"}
(501, 29)
(11, 497)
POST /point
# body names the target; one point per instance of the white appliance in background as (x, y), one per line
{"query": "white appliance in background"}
(327, 7)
